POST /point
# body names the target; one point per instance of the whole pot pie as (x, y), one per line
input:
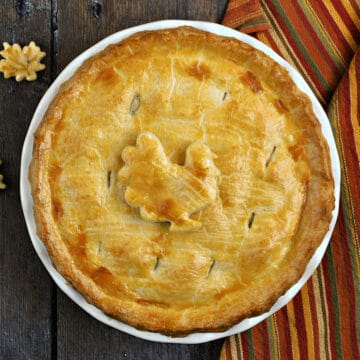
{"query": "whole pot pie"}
(181, 181)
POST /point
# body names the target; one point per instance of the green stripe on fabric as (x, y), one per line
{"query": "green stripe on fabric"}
(272, 338)
(252, 23)
(302, 47)
(249, 340)
(319, 29)
(335, 299)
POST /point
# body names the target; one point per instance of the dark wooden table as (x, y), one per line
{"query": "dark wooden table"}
(37, 321)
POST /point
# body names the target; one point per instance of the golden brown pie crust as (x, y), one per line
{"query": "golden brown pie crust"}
(275, 189)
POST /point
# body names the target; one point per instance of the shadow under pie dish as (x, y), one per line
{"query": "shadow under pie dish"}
(181, 181)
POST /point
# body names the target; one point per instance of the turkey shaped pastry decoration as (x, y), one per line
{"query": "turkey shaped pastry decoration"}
(164, 191)
(181, 181)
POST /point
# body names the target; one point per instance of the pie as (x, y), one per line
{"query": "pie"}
(181, 181)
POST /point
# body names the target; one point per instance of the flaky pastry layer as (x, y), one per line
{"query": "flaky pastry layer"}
(275, 196)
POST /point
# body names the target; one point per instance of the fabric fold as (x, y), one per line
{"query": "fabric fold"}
(246, 16)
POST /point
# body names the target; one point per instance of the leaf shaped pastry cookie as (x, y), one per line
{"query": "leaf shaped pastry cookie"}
(165, 191)
(21, 62)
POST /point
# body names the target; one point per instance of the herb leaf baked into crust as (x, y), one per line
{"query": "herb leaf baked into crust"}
(275, 187)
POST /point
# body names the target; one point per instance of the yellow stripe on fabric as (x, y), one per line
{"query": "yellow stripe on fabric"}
(241, 355)
(246, 17)
(236, 3)
(276, 332)
(293, 330)
(345, 31)
(326, 39)
(290, 54)
(325, 312)
(232, 5)
(234, 352)
(308, 322)
(354, 106)
(320, 315)
(351, 11)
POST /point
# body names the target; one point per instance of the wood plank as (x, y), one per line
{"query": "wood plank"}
(80, 25)
(25, 287)
(82, 337)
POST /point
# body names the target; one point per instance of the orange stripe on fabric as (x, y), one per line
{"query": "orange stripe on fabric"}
(308, 322)
(314, 306)
(293, 331)
(241, 13)
(249, 16)
(235, 3)
(257, 333)
(237, 18)
(283, 30)
(333, 29)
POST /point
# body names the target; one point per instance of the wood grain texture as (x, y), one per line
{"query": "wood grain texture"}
(82, 337)
(37, 320)
(25, 287)
(83, 23)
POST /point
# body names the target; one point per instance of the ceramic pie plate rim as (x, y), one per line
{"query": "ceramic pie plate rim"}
(27, 202)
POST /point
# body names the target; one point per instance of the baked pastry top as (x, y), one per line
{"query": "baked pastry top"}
(181, 181)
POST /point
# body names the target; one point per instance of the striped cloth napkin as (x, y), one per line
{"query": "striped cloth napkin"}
(321, 39)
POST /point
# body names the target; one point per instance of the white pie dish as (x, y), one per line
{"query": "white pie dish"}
(26, 198)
